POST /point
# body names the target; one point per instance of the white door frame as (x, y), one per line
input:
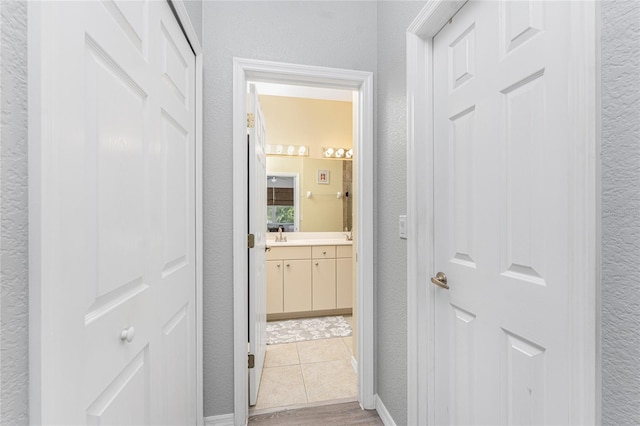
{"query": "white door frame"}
(585, 269)
(331, 78)
(36, 133)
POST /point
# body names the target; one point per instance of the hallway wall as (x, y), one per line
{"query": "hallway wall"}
(620, 212)
(324, 33)
(194, 9)
(14, 260)
(391, 201)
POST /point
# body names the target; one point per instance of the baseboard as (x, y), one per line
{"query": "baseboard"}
(384, 413)
(221, 420)
(354, 364)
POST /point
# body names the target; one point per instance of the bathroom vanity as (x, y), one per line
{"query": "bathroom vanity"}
(309, 277)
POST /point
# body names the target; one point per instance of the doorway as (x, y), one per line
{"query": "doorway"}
(309, 356)
(361, 84)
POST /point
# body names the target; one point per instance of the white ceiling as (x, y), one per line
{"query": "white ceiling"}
(303, 92)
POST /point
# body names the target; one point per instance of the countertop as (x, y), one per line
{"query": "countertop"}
(310, 242)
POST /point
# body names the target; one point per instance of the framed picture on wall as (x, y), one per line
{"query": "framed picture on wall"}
(323, 177)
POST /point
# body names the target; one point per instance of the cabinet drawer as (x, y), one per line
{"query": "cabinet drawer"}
(345, 251)
(279, 253)
(323, 252)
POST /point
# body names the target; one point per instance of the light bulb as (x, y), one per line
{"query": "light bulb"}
(267, 149)
(350, 153)
(290, 150)
(279, 149)
(328, 152)
(340, 153)
(302, 150)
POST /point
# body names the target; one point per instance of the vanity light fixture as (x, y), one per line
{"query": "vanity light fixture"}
(337, 152)
(287, 150)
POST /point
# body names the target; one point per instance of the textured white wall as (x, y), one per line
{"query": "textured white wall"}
(14, 309)
(333, 34)
(620, 212)
(391, 201)
(194, 9)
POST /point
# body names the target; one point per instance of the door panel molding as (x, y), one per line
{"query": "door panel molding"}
(585, 207)
(362, 84)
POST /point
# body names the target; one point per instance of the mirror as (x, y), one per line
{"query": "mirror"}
(300, 126)
(299, 200)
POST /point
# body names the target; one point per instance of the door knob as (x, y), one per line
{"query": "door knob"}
(128, 334)
(440, 280)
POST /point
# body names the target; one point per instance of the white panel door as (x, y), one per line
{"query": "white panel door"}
(117, 254)
(502, 223)
(257, 227)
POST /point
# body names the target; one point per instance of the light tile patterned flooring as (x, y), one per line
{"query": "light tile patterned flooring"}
(307, 372)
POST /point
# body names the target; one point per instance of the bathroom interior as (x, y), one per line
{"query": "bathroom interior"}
(311, 354)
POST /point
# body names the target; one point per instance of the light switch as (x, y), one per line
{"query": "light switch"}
(402, 225)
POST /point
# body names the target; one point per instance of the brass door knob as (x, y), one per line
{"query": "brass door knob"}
(440, 280)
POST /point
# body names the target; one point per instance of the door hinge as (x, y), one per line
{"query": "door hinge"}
(251, 241)
(251, 121)
(252, 361)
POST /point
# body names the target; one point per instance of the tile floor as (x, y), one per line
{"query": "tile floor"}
(304, 372)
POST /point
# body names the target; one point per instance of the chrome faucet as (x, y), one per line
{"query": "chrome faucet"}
(280, 238)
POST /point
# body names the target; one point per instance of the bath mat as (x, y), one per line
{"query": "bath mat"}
(299, 330)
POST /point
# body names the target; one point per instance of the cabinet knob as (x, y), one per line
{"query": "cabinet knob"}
(324, 252)
(128, 334)
(278, 265)
(316, 263)
(288, 265)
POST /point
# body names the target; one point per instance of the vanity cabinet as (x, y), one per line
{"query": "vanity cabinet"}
(297, 285)
(308, 280)
(344, 277)
(275, 287)
(323, 282)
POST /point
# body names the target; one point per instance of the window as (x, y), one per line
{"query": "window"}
(281, 211)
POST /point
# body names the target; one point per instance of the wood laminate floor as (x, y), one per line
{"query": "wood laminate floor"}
(338, 414)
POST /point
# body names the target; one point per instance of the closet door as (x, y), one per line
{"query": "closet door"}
(113, 236)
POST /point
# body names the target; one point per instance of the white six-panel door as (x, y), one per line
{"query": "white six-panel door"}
(258, 227)
(116, 216)
(502, 216)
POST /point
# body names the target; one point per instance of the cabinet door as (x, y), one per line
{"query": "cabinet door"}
(297, 285)
(344, 280)
(324, 284)
(275, 295)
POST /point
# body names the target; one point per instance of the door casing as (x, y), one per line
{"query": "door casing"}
(36, 62)
(361, 82)
(584, 311)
